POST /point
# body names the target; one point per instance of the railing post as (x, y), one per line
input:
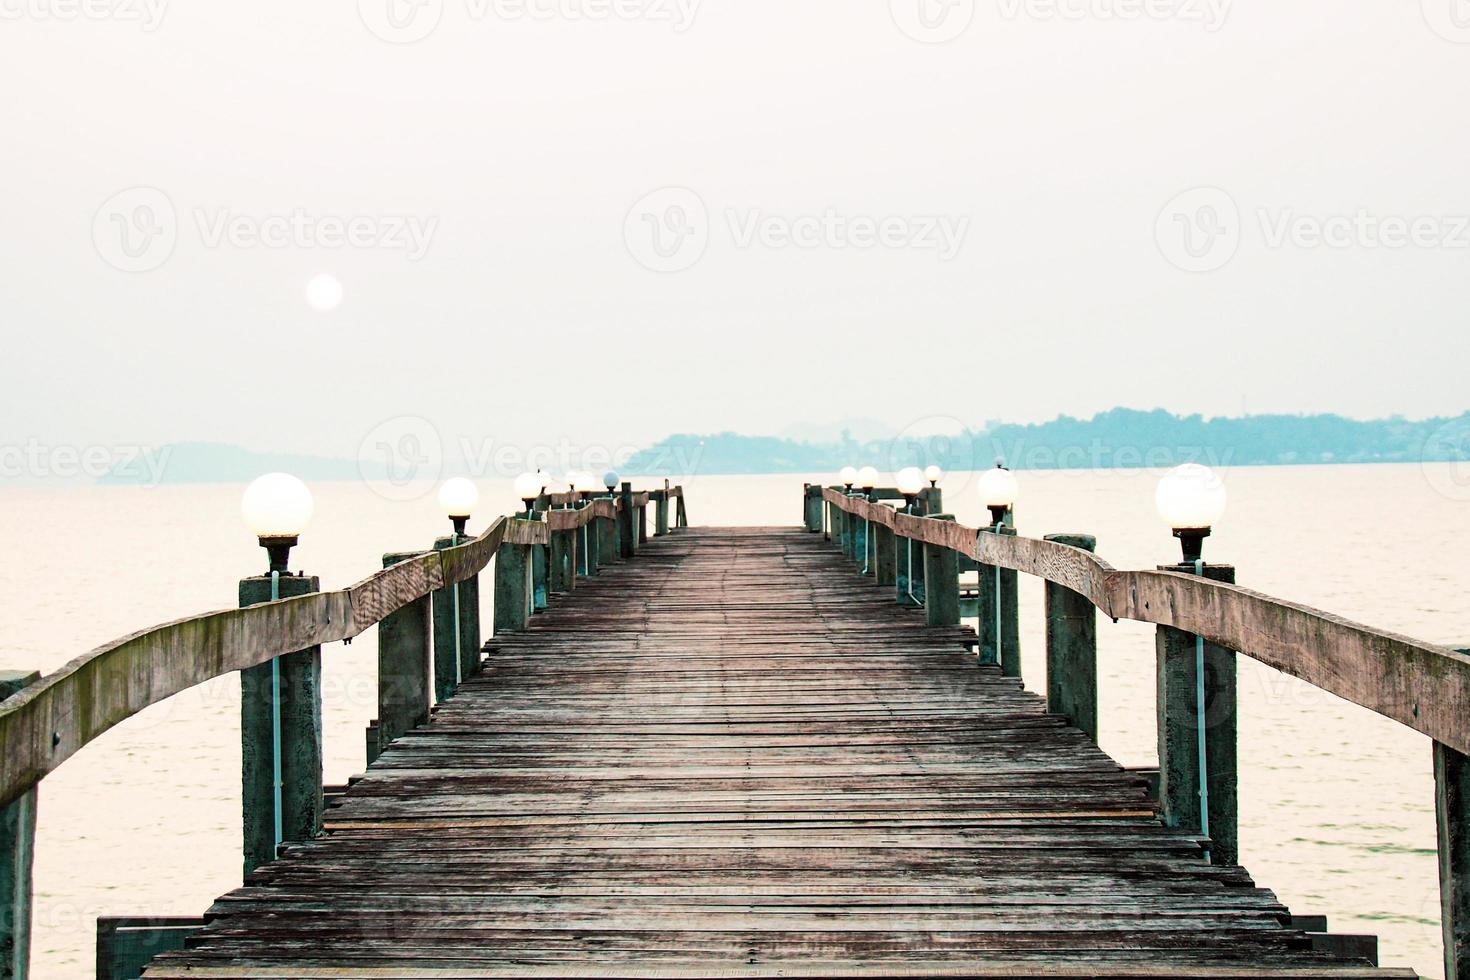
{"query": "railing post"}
(1071, 648)
(591, 538)
(564, 560)
(859, 542)
(681, 512)
(404, 658)
(447, 671)
(1452, 812)
(1000, 619)
(812, 508)
(661, 513)
(908, 579)
(17, 854)
(294, 695)
(513, 587)
(610, 545)
(942, 582)
(885, 564)
(1179, 754)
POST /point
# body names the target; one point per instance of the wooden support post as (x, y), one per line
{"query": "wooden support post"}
(540, 577)
(941, 582)
(681, 514)
(446, 674)
(1179, 756)
(1452, 809)
(609, 545)
(859, 543)
(661, 513)
(1002, 623)
(404, 658)
(812, 508)
(1071, 648)
(846, 522)
(591, 537)
(831, 528)
(564, 560)
(885, 561)
(513, 588)
(17, 854)
(300, 713)
(642, 538)
(908, 579)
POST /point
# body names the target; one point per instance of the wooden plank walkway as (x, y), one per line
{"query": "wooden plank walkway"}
(732, 757)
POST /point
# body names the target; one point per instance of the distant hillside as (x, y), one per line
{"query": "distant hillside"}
(1118, 438)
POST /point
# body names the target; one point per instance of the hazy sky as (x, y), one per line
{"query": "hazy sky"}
(607, 222)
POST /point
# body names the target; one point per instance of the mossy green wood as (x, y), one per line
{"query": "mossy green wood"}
(627, 534)
(885, 561)
(564, 560)
(469, 630)
(17, 857)
(1452, 811)
(513, 589)
(1000, 638)
(608, 546)
(812, 508)
(406, 661)
(941, 583)
(1178, 726)
(661, 513)
(301, 738)
(1071, 647)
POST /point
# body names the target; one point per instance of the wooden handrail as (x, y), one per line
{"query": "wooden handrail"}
(1421, 685)
(50, 721)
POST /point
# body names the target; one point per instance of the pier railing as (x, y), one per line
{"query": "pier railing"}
(1203, 620)
(426, 605)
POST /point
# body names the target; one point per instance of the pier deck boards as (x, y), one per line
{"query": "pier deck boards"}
(732, 758)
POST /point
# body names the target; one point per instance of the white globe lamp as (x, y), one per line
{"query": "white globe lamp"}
(277, 507)
(1190, 499)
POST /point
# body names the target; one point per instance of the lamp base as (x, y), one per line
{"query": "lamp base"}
(460, 523)
(279, 550)
(1192, 541)
(997, 515)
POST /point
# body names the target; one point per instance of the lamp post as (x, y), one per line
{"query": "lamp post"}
(457, 607)
(1190, 499)
(277, 507)
(867, 479)
(280, 701)
(1197, 681)
(1000, 643)
(528, 488)
(998, 492)
(458, 497)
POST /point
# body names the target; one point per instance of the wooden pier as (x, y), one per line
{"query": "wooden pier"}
(751, 752)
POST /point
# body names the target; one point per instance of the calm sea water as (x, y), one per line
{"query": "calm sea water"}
(1337, 803)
